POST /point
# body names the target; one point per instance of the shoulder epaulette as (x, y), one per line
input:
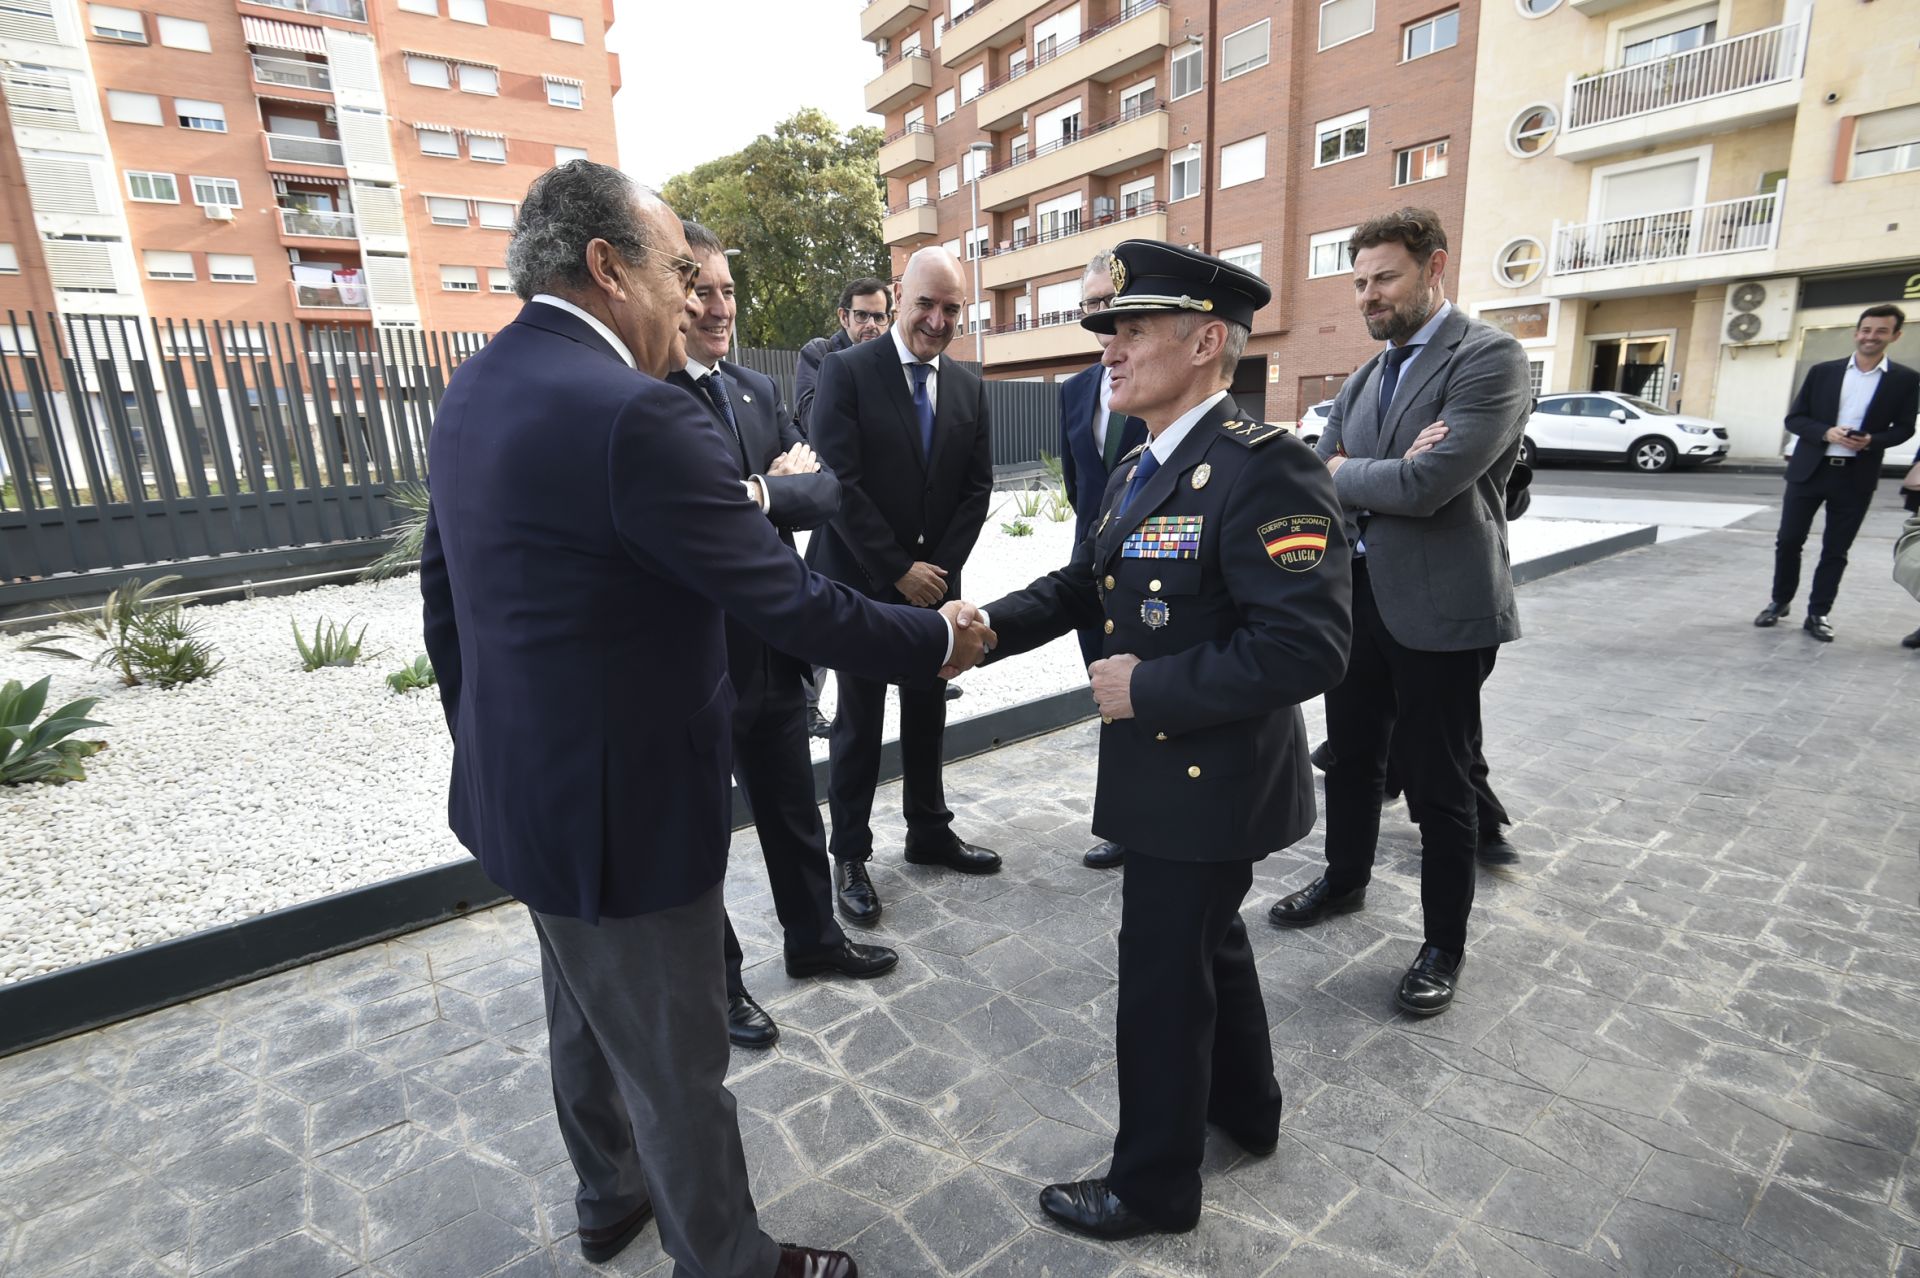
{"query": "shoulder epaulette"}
(1251, 433)
(1132, 453)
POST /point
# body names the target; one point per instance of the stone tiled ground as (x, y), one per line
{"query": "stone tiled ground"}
(1688, 1043)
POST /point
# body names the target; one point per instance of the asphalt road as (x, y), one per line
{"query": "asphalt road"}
(1707, 483)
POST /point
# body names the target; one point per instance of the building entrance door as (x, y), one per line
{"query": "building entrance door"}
(1632, 366)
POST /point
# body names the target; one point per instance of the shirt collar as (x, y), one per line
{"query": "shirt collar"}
(696, 370)
(1428, 329)
(1169, 439)
(1853, 366)
(561, 303)
(907, 356)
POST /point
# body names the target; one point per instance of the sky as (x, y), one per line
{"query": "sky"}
(699, 87)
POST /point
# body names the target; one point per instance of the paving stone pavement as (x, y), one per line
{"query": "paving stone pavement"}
(1688, 1040)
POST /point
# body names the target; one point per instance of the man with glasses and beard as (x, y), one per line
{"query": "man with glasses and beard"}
(866, 308)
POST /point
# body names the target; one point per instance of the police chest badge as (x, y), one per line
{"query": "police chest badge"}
(1155, 614)
(1297, 542)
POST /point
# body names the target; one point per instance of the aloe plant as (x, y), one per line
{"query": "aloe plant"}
(333, 644)
(43, 751)
(418, 675)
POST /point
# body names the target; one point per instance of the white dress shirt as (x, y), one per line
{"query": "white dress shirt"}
(756, 485)
(1414, 343)
(907, 359)
(619, 347)
(1103, 412)
(1857, 390)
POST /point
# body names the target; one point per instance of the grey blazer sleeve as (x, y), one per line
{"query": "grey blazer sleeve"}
(1485, 407)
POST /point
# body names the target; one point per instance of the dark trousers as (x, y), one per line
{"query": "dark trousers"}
(1190, 1031)
(1491, 814)
(853, 754)
(773, 764)
(1431, 702)
(1847, 504)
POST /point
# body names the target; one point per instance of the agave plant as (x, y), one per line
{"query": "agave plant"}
(146, 640)
(408, 533)
(418, 675)
(43, 751)
(332, 645)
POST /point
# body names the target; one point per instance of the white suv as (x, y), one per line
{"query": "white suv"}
(1605, 424)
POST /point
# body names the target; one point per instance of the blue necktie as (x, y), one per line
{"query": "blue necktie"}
(716, 388)
(923, 406)
(1390, 374)
(1142, 473)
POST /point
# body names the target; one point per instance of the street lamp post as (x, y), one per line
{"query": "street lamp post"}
(733, 334)
(983, 153)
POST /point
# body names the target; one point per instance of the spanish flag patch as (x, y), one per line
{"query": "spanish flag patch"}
(1296, 542)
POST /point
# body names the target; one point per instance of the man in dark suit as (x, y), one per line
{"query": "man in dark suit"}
(771, 759)
(587, 533)
(1847, 414)
(1419, 442)
(907, 432)
(1217, 575)
(1093, 438)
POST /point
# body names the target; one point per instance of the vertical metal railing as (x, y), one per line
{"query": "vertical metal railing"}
(1702, 230)
(1747, 61)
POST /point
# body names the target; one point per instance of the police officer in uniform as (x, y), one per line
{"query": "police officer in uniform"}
(1219, 574)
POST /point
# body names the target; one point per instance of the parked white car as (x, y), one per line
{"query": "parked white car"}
(1608, 425)
(1313, 422)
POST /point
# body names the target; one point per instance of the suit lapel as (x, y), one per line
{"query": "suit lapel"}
(752, 416)
(893, 384)
(1360, 428)
(1433, 357)
(946, 412)
(1113, 531)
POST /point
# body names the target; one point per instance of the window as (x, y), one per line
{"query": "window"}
(917, 192)
(979, 316)
(459, 279)
(561, 27)
(1017, 63)
(1057, 32)
(179, 33)
(1341, 138)
(110, 23)
(1060, 216)
(1519, 263)
(216, 190)
(152, 188)
(230, 268)
(1246, 257)
(9, 260)
(1189, 71)
(910, 44)
(1137, 101)
(1536, 8)
(430, 73)
(1420, 163)
(1059, 303)
(165, 265)
(1344, 20)
(977, 242)
(1245, 50)
(1186, 173)
(952, 246)
(915, 120)
(1135, 196)
(1060, 125)
(1243, 162)
(494, 215)
(1667, 44)
(562, 154)
(1022, 311)
(1536, 376)
(972, 80)
(1022, 231)
(489, 150)
(429, 7)
(444, 210)
(474, 11)
(972, 163)
(1327, 253)
(438, 142)
(208, 117)
(499, 280)
(939, 29)
(563, 93)
(486, 80)
(943, 107)
(1442, 31)
(1017, 149)
(949, 180)
(133, 108)
(1886, 142)
(1532, 131)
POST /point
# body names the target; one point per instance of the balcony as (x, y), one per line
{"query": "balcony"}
(1055, 337)
(298, 224)
(1139, 36)
(905, 78)
(915, 220)
(1734, 83)
(990, 24)
(351, 10)
(1069, 249)
(1663, 252)
(885, 18)
(290, 73)
(318, 153)
(1103, 148)
(907, 150)
(330, 302)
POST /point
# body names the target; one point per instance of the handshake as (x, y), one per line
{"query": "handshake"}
(972, 640)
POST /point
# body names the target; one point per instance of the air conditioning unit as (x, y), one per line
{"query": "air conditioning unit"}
(220, 212)
(333, 116)
(883, 46)
(1759, 311)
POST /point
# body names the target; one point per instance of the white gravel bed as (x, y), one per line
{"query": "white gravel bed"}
(266, 786)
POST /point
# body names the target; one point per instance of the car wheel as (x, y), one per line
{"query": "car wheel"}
(1652, 455)
(1526, 452)
(1311, 441)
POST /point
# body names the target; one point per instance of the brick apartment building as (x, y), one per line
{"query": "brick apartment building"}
(321, 162)
(1258, 131)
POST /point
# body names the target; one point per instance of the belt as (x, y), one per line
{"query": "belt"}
(1844, 461)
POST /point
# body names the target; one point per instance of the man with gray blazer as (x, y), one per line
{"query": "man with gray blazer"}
(1420, 443)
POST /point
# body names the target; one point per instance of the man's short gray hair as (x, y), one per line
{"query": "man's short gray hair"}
(1102, 264)
(565, 209)
(1231, 349)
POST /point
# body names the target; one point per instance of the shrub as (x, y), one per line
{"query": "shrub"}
(44, 751)
(1026, 502)
(418, 675)
(1018, 528)
(408, 533)
(145, 640)
(333, 645)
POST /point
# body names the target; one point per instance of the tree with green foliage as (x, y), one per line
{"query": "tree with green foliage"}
(803, 205)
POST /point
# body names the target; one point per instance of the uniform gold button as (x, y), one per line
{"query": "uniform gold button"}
(1159, 736)
(1194, 771)
(1154, 584)
(1106, 718)
(1109, 625)
(1109, 583)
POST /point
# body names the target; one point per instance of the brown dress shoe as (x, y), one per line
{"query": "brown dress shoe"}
(810, 1262)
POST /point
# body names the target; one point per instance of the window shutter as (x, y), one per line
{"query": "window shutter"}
(61, 186)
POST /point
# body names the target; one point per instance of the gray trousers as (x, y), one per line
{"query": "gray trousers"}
(637, 1032)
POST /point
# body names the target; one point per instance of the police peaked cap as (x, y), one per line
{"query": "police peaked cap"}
(1153, 278)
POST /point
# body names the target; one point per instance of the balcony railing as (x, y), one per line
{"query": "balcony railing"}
(1051, 319)
(1705, 230)
(329, 297)
(1749, 61)
(1128, 12)
(1078, 224)
(290, 149)
(352, 10)
(323, 226)
(1128, 116)
(292, 74)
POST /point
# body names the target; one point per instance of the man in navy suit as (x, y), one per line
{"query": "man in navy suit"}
(1093, 438)
(587, 535)
(1847, 414)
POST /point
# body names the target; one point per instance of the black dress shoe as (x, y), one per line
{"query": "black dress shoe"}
(1322, 756)
(847, 958)
(599, 1246)
(1495, 850)
(1104, 856)
(812, 1262)
(1313, 903)
(818, 725)
(853, 893)
(1089, 1207)
(1817, 627)
(953, 691)
(1427, 988)
(1770, 614)
(954, 853)
(748, 1024)
(1911, 641)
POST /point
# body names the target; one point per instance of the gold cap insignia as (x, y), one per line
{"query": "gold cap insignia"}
(1201, 474)
(1117, 272)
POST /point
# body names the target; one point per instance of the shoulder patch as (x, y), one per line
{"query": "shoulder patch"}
(1130, 454)
(1251, 433)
